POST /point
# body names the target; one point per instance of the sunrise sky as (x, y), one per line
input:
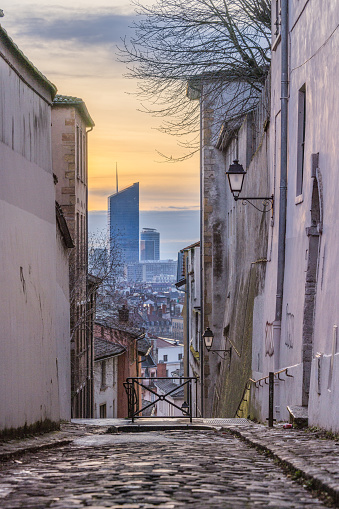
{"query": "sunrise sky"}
(74, 45)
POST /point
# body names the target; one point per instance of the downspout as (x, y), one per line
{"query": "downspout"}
(202, 287)
(283, 183)
(187, 322)
(90, 350)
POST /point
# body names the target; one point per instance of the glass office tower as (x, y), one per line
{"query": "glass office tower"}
(149, 244)
(123, 221)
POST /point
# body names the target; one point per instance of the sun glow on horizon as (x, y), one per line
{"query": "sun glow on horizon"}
(75, 48)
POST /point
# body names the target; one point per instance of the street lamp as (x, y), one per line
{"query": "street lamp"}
(236, 175)
(208, 339)
(185, 407)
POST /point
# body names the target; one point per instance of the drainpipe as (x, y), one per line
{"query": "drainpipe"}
(187, 322)
(90, 345)
(202, 287)
(283, 183)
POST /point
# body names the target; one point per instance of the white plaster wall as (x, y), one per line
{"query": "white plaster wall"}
(313, 44)
(172, 353)
(164, 408)
(28, 251)
(324, 394)
(109, 394)
(28, 282)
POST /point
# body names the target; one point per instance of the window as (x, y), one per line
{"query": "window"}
(103, 412)
(103, 374)
(277, 17)
(165, 358)
(301, 139)
(179, 356)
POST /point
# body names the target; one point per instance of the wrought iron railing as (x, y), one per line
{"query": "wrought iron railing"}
(134, 385)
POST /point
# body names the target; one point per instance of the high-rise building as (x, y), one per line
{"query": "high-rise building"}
(123, 220)
(149, 244)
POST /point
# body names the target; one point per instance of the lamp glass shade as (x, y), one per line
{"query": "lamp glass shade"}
(236, 176)
(208, 338)
(185, 406)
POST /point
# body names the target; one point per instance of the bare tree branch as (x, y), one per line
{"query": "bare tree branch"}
(221, 44)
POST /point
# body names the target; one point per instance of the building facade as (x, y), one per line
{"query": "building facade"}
(70, 121)
(149, 244)
(123, 221)
(34, 311)
(302, 337)
(189, 279)
(269, 285)
(152, 271)
(106, 365)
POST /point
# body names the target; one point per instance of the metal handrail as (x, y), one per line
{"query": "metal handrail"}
(255, 382)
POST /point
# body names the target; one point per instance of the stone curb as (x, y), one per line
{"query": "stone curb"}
(307, 469)
(13, 451)
(142, 428)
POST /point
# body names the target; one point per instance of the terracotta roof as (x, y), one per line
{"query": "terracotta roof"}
(162, 343)
(104, 349)
(67, 100)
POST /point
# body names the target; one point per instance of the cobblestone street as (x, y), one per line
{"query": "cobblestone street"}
(167, 469)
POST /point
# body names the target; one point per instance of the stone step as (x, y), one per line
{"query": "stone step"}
(298, 416)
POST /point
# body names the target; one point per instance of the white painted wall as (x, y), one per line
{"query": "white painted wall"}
(313, 62)
(30, 304)
(172, 353)
(107, 394)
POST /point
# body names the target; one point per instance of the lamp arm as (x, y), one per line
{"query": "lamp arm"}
(265, 200)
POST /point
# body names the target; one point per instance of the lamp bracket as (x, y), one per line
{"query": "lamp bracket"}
(266, 201)
(228, 351)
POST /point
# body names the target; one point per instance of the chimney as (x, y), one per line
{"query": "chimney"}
(123, 314)
(161, 369)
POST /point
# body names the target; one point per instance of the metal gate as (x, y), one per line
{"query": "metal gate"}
(133, 386)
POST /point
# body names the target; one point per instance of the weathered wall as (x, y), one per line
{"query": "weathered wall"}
(29, 384)
(234, 257)
(62, 328)
(69, 155)
(213, 231)
(304, 333)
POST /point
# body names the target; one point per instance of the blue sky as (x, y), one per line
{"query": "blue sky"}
(178, 228)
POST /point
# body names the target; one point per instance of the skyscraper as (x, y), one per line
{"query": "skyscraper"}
(123, 220)
(149, 244)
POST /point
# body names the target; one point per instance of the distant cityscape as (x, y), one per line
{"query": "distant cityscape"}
(142, 281)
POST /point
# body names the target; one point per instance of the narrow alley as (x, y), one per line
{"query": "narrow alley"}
(167, 469)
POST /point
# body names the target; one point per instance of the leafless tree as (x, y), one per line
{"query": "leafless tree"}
(221, 45)
(106, 264)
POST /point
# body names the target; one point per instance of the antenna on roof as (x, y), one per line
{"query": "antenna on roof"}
(116, 176)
